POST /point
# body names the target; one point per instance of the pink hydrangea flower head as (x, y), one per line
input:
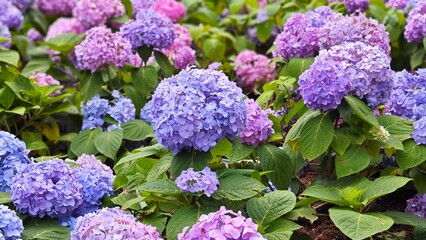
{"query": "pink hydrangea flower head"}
(92, 13)
(56, 7)
(43, 79)
(252, 68)
(64, 25)
(85, 161)
(183, 57)
(170, 8)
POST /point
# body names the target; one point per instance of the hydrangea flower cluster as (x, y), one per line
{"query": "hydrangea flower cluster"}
(183, 57)
(57, 7)
(64, 25)
(195, 109)
(11, 226)
(252, 68)
(110, 223)
(417, 205)
(415, 30)
(43, 79)
(356, 5)
(5, 33)
(223, 224)
(258, 127)
(170, 8)
(92, 13)
(10, 16)
(194, 182)
(123, 109)
(102, 47)
(149, 29)
(180, 51)
(139, 5)
(22, 5)
(46, 188)
(398, 4)
(419, 134)
(34, 35)
(13, 157)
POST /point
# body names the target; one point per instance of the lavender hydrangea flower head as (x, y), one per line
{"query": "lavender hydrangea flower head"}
(139, 5)
(415, 30)
(34, 35)
(123, 109)
(90, 161)
(5, 33)
(64, 25)
(356, 5)
(170, 8)
(194, 182)
(92, 13)
(398, 4)
(195, 109)
(10, 16)
(252, 68)
(183, 57)
(258, 127)
(419, 134)
(93, 112)
(43, 79)
(102, 47)
(149, 29)
(11, 226)
(108, 223)
(320, 16)
(46, 188)
(223, 224)
(417, 205)
(13, 157)
(57, 7)
(22, 5)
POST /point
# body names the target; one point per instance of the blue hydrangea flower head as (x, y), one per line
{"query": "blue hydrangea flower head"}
(13, 157)
(149, 29)
(417, 205)
(195, 109)
(419, 134)
(93, 112)
(194, 182)
(258, 126)
(47, 188)
(123, 109)
(11, 226)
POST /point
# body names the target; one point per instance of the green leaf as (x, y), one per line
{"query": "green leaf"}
(296, 129)
(302, 212)
(341, 140)
(316, 136)
(45, 229)
(145, 79)
(382, 186)
(222, 148)
(214, 49)
(235, 6)
(92, 84)
(108, 143)
(296, 66)
(411, 156)
(135, 95)
(5, 197)
(264, 30)
(354, 160)
(17, 110)
(417, 58)
(183, 217)
(193, 159)
(128, 7)
(7, 96)
(164, 63)
(9, 57)
(33, 141)
(161, 167)
(160, 186)
(419, 180)
(280, 229)
(326, 194)
(136, 130)
(405, 218)
(84, 142)
(38, 20)
(238, 187)
(239, 151)
(64, 42)
(362, 110)
(398, 127)
(273, 205)
(359, 226)
(276, 160)
(36, 65)
(420, 232)
(145, 53)
(139, 153)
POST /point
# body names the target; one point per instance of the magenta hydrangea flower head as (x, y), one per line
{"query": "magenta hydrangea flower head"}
(149, 29)
(47, 188)
(56, 7)
(11, 226)
(34, 35)
(110, 223)
(170, 8)
(10, 16)
(13, 157)
(415, 30)
(223, 224)
(398, 4)
(356, 5)
(92, 13)
(102, 48)
(22, 5)
(258, 127)
(64, 25)
(417, 205)
(252, 68)
(203, 181)
(355, 28)
(195, 109)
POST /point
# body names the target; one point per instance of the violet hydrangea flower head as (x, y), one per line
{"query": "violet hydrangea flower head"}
(93, 112)
(123, 109)
(417, 205)
(203, 181)
(64, 25)
(223, 224)
(11, 226)
(320, 16)
(47, 188)
(182, 38)
(170, 8)
(415, 30)
(258, 127)
(252, 68)
(10, 16)
(398, 4)
(183, 57)
(139, 5)
(180, 51)
(149, 29)
(101, 48)
(109, 223)
(356, 5)
(56, 7)
(22, 5)
(34, 35)
(195, 109)
(13, 157)
(92, 13)
(419, 134)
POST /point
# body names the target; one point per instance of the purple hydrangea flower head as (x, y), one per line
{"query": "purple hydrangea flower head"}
(417, 205)
(183, 57)
(123, 109)
(102, 47)
(43, 79)
(56, 7)
(64, 25)
(34, 35)
(380, 93)
(170, 8)
(356, 5)
(92, 13)
(195, 109)
(194, 182)
(398, 4)
(110, 223)
(258, 127)
(22, 5)
(182, 38)
(93, 112)
(180, 51)
(223, 224)
(46, 188)
(419, 134)
(149, 29)
(10, 16)
(5, 33)
(320, 16)
(11, 226)
(355, 28)
(139, 5)
(13, 157)
(415, 30)
(252, 68)
(90, 161)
